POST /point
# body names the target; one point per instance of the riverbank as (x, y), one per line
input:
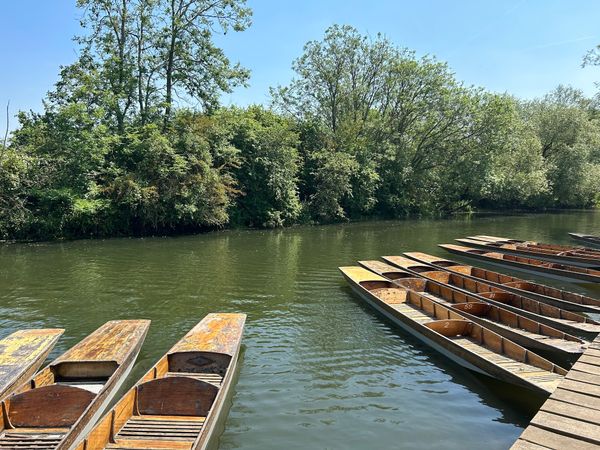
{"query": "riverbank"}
(457, 215)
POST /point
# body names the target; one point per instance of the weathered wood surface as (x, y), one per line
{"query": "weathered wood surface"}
(179, 401)
(216, 333)
(556, 297)
(460, 339)
(570, 418)
(526, 263)
(68, 400)
(21, 354)
(110, 342)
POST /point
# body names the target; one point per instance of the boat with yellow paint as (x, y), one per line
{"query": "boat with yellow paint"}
(21, 355)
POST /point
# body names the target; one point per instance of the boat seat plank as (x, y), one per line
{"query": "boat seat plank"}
(30, 440)
(212, 378)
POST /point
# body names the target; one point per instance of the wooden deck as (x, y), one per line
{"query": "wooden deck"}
(570, 418)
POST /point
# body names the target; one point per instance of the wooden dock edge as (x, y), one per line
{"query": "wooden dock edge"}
(570, 418)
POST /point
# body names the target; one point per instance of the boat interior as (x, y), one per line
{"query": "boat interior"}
(45, 409)
(167, 408)
(467, 334)
(472, 305)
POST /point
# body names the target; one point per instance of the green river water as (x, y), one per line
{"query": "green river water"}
(319, 369)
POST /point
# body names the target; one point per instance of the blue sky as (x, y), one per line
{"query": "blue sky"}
(524, 47)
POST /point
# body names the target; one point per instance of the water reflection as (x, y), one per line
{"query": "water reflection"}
(320, 369)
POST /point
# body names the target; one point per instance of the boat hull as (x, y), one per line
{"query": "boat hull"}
(407, 326)
(595, 242)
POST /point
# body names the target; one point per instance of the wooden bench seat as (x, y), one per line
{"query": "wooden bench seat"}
(144, 432)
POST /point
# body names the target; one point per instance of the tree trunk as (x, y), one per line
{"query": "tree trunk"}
(170, 63)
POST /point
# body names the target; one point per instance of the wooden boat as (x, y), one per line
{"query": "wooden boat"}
(578, 249)
(587, 238)
(463, 341)
(569, 301)
(547, 252)
(524, 331)
(541, 246)
(21, 355)
(179, 402)
(553, 270)
(567, 321)
(60, 404)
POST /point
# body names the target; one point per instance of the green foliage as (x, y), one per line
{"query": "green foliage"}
(364, 129)
(267, 173)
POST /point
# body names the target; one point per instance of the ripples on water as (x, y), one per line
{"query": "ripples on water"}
(320, 369)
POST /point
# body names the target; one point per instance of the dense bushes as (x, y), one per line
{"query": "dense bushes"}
(365, 129)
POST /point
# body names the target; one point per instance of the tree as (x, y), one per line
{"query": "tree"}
(267, 171)
(569, 133)
(139, 55)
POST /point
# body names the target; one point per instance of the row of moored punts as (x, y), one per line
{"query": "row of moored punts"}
(175, 405)
(518, 331)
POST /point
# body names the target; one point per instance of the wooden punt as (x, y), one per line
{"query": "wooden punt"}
(553, 270)
(567, 321)
(21, 355)
(587, 238)
(570, 301)
(524, 331)
(179, 402)
(535, 244)
(61, 403)
(580, 257)
(461, 340)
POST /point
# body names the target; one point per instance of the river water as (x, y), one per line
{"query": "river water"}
(319, 370)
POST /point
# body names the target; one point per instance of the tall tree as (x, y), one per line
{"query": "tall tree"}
(139, 56)
(191, 63)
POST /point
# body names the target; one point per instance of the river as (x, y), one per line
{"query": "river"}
(319, 369)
